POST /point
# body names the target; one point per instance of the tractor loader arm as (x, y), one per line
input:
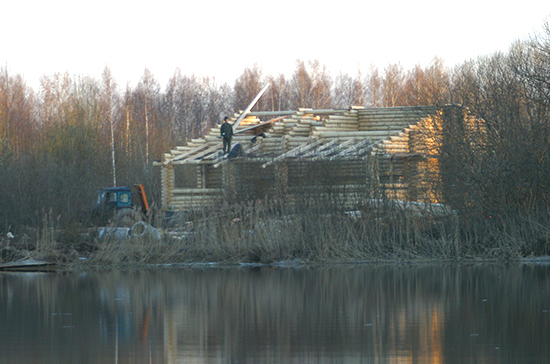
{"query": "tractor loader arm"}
(142, 198)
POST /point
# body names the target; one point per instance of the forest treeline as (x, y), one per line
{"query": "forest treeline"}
(57, 142)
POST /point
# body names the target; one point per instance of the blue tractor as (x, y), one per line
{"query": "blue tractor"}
(115, 206)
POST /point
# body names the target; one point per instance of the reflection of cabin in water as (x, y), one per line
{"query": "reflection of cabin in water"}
(352, 153)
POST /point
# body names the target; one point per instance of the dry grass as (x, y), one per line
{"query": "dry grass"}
(275, 231)
(310, 231)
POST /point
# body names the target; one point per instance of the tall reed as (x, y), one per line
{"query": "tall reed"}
(311, 229)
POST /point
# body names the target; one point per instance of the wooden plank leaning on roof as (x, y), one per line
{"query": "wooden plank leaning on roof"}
(250, 106)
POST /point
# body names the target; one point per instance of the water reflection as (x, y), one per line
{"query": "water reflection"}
(344, 314)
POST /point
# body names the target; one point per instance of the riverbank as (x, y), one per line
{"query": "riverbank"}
(265, 233)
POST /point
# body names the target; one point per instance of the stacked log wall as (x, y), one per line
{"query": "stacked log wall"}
(252, 182)
(398, 165)
(167, 182)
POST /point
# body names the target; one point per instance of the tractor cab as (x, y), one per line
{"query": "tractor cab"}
(114, 198)
(114, 205)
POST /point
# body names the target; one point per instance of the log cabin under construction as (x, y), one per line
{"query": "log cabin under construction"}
(354, 154)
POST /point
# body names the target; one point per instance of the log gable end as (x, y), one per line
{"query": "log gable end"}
(351, 154)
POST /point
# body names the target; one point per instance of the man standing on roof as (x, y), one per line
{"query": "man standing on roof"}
(226, 132)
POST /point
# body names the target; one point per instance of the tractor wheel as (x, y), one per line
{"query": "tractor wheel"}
(126, 218)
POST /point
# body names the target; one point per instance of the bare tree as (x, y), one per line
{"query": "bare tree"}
(322, 83)
(530, 60)
(393, 86)
(220, 99)
(247, 87)
(301, 87)
(108, 110)
(16, 113)
(347, 91)
(374, 89)
(148, 91)
(430, 86)
(277, 95)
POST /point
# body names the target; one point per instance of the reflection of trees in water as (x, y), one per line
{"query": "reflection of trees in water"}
(82, 315)
(371, 312)
(424, 313)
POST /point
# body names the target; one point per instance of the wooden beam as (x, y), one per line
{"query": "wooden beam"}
(272, 113)
(260, 124)
(352, 148)
(183, 155)
(254, 148)
(360, 134)
(215, 147)
(333, 149)
(294, 152)
(193, 191)
(320, 149)
(250, 106)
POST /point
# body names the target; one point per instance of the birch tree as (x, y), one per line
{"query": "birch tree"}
(428, 86)
(277, 95)
(374, 89)
(301, 87)
(108, 111)
(147, 93)
(347, 91)
(247, 87)
(321, 86)
(393, 86)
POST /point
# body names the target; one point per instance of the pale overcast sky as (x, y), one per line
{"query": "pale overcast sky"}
(221, 38)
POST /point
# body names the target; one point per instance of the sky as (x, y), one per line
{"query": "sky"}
(221, 38)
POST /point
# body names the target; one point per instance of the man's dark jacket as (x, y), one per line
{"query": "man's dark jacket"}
(226, 131)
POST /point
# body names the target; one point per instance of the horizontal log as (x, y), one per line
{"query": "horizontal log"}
(342, 118)
(301, 128)
(194, 199)
(398, 109)
(404, 137)
(292, 112)
(392, 151)
(185, 154)
(342, 127)
(382, 126)
(339, 129)
(350, 134)
(388, 121)
(191, 206)
(321, 111)
(348, 187)
(298, 133)
(394, 186)
(336, 124)
(193, 141)
(398, 155)
(177, 191)
(389, 142)
(393, 131)
(385, 143)
(394, 115)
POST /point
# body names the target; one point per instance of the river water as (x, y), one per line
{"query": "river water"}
(334, 314)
